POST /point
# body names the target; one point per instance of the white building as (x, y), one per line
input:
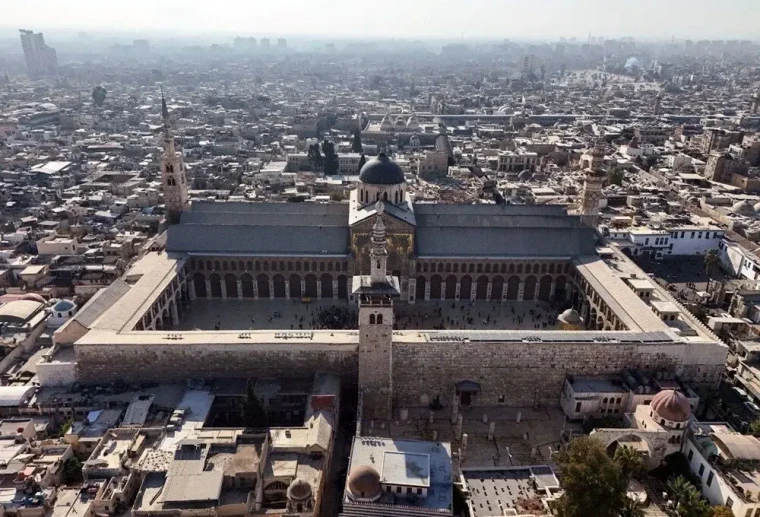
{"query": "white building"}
(517, 161)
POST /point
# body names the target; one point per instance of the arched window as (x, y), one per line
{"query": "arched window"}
(488, 268)
(385, 196)
(371, 319)
(378, 265)
(379, 319)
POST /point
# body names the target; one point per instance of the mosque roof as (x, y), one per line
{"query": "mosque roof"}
(381, 170)
(261, 229)
(500, 230)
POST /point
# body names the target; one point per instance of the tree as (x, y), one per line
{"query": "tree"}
(594, 484)
(712, 260)
(630, 462)
(98, 95)
(315, 157)
(685, 500)
(331, 158)
(362, 161)
(754, 428)
(72, 471)
(631, 508)
(254, 415)
(721, 511)
(356, 143)
(615, 177)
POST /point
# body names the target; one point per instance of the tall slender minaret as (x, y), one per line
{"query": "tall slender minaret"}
(375, 295)
(756, 103)
(173, 174)
(658, 104)
(592, 184)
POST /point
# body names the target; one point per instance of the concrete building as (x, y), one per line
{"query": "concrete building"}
(40, 59)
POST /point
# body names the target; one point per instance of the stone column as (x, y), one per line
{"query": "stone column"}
(223, 285)
(271, 289)
(303, 287)
(319, 289)
(208, 288)
(240, 289)
(454, 408)
(255, 289)
(460, 422)
(443, 291)
(458, 291)
(491, 429)
(287, 289)
(521, 291)
(335, 289)
(504, 290)
(412, 289)
(173, 314)
(489, 287)
(427, 290)
(473, 290)
(191, 290)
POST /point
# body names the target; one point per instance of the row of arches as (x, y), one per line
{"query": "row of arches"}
(230, 286)
(268, 265)
(437, 288)
(504, 268)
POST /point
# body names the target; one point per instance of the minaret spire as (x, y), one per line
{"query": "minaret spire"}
(379, 249)
(173, 176)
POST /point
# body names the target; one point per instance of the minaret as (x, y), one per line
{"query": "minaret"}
(173, 174)
(375, 294)
(657, 104)
(756, 103)
(592, 185)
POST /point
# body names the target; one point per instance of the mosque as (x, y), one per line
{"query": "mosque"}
(379, 251)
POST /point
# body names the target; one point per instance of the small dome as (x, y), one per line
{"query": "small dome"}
(571, 317)
(412, 123)
(400, 122)
(743, 208)
(34, 297)
(386, 124)
(63, 305)
(299, 490)
(381, 171)
(671, 405)
(364, 482)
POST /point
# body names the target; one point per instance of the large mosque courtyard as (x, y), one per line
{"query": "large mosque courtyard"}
(236, 314)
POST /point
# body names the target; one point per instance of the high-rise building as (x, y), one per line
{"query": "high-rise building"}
(282, 43)
(40, 59)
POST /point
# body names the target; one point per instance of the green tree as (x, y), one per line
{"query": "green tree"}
(754, 428)
(362, 161)
(615, 177)
(711, 260)
(331, 158)
(631, 508)
(594, 484)
(254, 415)
(72, 471)
(356, 143)
(721, 511)
(315, 157)
(685, 500)
(630, 462)
(98, 95)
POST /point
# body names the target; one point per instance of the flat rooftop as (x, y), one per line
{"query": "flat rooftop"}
(496, 491)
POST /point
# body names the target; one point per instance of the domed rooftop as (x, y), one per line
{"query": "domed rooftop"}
(364, 482)
(412, 123)
(671, 405)
(743, 208)
(63, 305)
(299, 490)
(757, 206)
(381, 170)
(571, 317)
(34, 297)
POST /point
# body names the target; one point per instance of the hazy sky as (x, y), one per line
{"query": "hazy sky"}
(517, 19)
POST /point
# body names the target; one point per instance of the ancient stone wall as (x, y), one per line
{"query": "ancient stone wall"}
(526, 373)
(177, 362)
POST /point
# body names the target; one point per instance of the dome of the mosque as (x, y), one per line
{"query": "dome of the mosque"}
(671, 405)
(381, 170)
(364, 482)
(34, 297)
(299, 490)
(63, 306)
(743, 208)
(570, 316)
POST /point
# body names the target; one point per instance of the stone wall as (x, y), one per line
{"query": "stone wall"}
(525, 373)
(177, 362)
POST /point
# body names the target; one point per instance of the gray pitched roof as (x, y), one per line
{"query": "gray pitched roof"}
(101, 302)
(262, 229)
(500, 231)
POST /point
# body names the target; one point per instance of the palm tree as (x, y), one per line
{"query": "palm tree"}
(712, 260)
(630, 462)
(632, 508)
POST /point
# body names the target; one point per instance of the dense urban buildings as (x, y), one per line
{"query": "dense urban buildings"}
(264, 276)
